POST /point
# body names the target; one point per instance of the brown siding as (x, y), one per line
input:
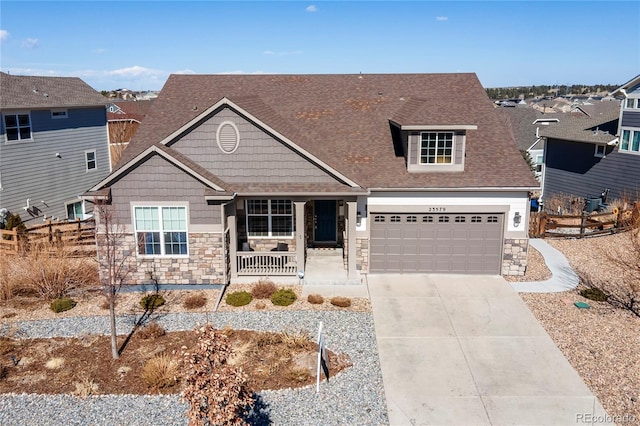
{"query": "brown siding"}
(259, 157)
(157, 180)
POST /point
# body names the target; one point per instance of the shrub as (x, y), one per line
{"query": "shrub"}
(159, 372)
(85, 387)
(296, 339)
(238, 298)
(315, 299)
(264, 289)
(260, 305)
(343, 302)
(63, 304)
(194, 301)
(152, 330)
(152, 301)
(217, 392)
(594, 293)
(283, 297)
(298, 374)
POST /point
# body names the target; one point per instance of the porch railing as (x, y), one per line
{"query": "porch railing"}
(266, 263)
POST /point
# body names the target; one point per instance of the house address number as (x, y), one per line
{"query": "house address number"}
(436, 209)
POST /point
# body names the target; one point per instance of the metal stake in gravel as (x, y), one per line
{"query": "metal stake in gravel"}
(322, 359)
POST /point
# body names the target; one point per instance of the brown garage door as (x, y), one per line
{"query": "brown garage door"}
(441, 243)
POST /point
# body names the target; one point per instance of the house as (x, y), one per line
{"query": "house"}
(231, 177)
(123, 118)
(53, 146)
(589, 151)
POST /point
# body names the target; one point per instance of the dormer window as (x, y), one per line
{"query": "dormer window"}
(436, 148)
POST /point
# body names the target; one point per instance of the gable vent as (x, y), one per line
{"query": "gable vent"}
(228, 137)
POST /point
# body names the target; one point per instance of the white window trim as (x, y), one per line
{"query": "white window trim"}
(628, 150)
(60, 116)
(453, 150)
(84, 213)
(4, 126)
(598, 154)
(86, 161)
(269, 223)
(161, 231)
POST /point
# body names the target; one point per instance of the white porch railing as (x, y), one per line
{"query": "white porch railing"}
(266, 263)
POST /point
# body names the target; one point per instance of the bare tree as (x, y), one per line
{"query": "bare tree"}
(114, 261)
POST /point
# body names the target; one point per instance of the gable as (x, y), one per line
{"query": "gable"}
(259, 157)
(158, 180)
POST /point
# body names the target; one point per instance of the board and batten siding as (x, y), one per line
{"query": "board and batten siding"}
(630, 119)
(572, 168)
(158, 181)
(508, 203)
(413, 149)
(31, 170)
(258, 158)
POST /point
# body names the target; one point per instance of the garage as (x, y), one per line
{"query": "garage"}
(438, 243)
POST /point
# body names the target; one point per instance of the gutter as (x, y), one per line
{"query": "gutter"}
(464, 189)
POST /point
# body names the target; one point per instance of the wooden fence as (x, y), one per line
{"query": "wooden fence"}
(546, 225)
(79, 237)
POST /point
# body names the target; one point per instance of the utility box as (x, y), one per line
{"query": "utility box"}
(592, 204)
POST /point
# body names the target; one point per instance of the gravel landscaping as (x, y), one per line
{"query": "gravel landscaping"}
(355, 396)
(602, 343)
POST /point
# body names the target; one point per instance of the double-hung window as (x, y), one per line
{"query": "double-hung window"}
(161, 230)
(90, 159)
(630, 141)
(269, 218)
(17, 127)
(436, 148)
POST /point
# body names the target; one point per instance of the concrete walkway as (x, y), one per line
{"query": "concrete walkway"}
(563, 277)
(466, 350)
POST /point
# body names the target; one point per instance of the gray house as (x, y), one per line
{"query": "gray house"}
(53, 146)
(594, 150)
(233, 177)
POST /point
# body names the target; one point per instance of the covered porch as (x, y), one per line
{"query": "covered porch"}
(308, 240)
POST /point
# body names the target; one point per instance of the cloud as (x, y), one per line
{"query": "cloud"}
(30, 43)
(240, 72)
(187, 71)
(441, 18)
(283, 53)
(311, 8)
(99, 51)
(135, 71)
(4, 35)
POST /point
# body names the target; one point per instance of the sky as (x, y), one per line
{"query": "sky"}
(137, 45)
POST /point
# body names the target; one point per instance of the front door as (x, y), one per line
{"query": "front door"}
(324, 221)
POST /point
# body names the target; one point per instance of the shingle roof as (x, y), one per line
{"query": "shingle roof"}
(132, 110)
(600, 128)
(17, 91)
(344, 121)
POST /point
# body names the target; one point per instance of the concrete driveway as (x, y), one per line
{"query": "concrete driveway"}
(465, 350)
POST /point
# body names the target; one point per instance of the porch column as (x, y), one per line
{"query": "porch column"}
(300, 243)
(352, 213)
(233, 245)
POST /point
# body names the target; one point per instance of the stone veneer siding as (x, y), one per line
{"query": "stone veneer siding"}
(205, 264)
(362, 254)
(268, 244)
(514, 258)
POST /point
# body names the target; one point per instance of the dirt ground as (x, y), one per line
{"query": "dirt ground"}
(84, 366)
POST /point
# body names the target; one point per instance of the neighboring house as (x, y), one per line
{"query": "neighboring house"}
(53, 146)
(585, 154)
(525, 123)
(124, 117)
(235, 176)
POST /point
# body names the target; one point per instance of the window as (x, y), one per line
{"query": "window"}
(630, 141)
(161, 230)
(395, 218)
(412, 219)
(90, 157)
(378, 218)
(75, 211)
(427, 219)
(492, 219)
(269, 218)
(600, 151)
(17, 126)
(476, 219)
(436, 148)
(539, 162)
(59, 113)
(629, 103)
(443, 219)
(460, 219)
